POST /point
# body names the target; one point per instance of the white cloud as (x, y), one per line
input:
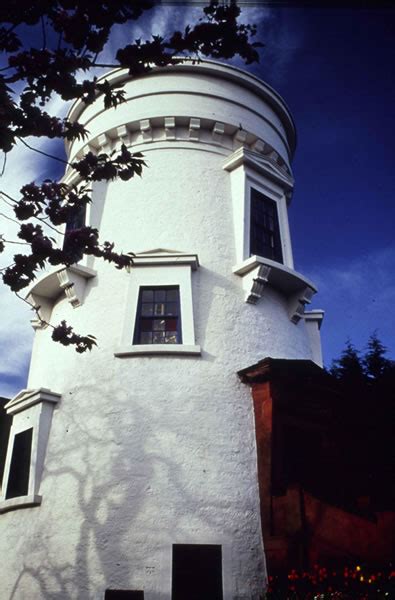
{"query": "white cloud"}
(16, 335)
(24, 166)
(359, 297)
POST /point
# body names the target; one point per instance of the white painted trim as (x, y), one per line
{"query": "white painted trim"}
(43, 293)
(27, 398)
(292, 279)
(313, 320)
(167, 349)
(250, 170)
(199, 539)
(217, 70)
(317, 315)
(263, 164)
(257, 272)
(149, 271)
(165, 258)
(20, 502)
(31, 409)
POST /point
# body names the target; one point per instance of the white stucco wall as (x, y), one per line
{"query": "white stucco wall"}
(148, 451)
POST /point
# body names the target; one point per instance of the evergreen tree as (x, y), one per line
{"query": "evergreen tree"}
(349, 368)
(374, 361)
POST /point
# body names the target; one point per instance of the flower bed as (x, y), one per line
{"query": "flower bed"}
(334, 583)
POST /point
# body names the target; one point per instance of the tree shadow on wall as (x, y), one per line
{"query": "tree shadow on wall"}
(101, 516)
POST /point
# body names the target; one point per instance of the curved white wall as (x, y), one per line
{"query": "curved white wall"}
(148, 451)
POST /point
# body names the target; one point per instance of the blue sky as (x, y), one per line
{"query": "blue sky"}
(335, 70)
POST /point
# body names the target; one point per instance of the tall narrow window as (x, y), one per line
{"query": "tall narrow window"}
(197, 572)
(72, 225)
(18, 480)
(264, 232)
(158, 316)
(5, 426)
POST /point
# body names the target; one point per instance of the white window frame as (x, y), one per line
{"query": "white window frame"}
(159, 268)
(253, 182)
(249, 170)
(30, 409)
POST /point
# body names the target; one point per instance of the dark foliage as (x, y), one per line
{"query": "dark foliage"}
(333, 582)
(365, 417)
(71, 34)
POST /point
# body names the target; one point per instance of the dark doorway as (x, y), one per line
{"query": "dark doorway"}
(124, 595)
(197, 572)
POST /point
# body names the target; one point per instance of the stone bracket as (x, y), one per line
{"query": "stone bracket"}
(259, 282)
(43, 294)
(170, 128)
(146, 130)
(258, 272)
(194, 129)
(297, 303)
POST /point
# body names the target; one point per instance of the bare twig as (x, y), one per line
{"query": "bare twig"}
(36, 310)
(4, 164)
(44, 34)
(9, 218)
(65, 162)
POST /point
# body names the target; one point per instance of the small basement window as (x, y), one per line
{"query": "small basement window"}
(265, 237)
(197, 572)
(158, 318)
(124, 595)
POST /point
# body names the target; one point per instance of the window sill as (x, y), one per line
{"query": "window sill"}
(20, 502)
(164, 349)
(258, 272)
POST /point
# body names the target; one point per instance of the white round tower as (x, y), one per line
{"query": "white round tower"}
(131, 470)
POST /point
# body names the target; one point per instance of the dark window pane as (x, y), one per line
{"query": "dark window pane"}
(146, 324)
(157, 330)
(146, 337)
(147, 309)
(197, 572)
(5, 425)
(74, 223)
(171, 324)
(159, 309)
(264, 228)
(172, 308)
(18, 480)
(160, 295)
(171, 337)
(158, 325)
(147, 295)
(172, 295)
(158, 337)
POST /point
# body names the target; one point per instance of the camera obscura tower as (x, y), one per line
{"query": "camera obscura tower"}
(131, 472)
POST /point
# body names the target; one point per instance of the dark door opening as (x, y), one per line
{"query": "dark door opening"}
(197, 572)
(124, 595)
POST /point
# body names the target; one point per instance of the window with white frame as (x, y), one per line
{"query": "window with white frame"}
(158, 319)
(73, 225)
(265, 239)
(260, 192)
(31, 412)
(159, 307)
